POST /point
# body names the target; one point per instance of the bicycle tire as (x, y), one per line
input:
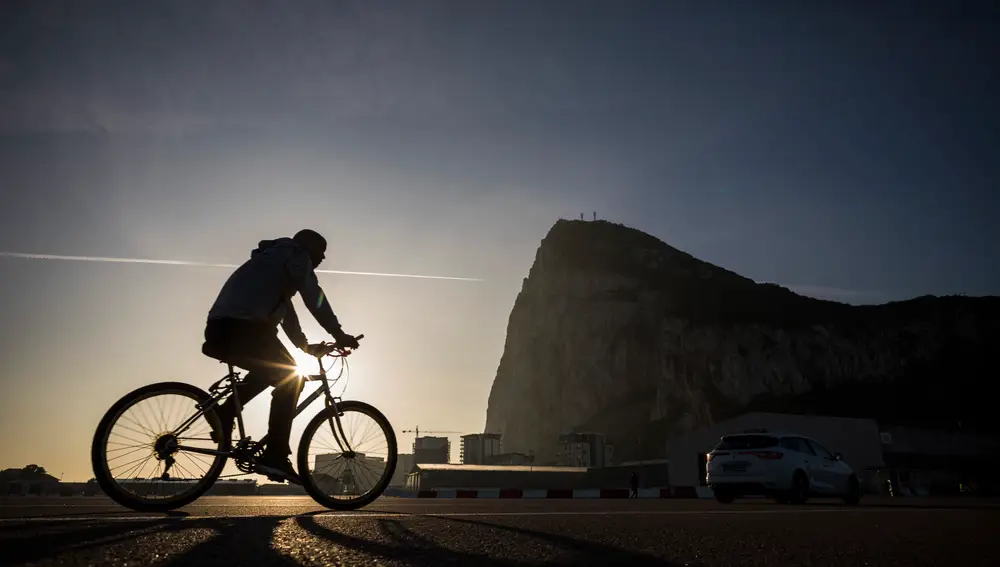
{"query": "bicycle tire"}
(303, 458)
(98, 454)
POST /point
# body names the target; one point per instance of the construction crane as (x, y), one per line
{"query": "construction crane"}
(416, 431)
(416, 437)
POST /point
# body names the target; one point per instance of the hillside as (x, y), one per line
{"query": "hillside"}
(616, 331)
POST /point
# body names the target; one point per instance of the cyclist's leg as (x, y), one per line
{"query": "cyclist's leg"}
(236, 342)
(278, 369)
(284, 398)
(257, 348)
(272, 365)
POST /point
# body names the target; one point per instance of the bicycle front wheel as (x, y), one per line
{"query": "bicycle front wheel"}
(138, 451)
(342, 479)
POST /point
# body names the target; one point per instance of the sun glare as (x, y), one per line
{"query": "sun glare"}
(304, 364)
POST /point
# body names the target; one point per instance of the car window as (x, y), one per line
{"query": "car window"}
(796, 444)
(805, 447)
(791, 443)
(820, 450)
(737, 442)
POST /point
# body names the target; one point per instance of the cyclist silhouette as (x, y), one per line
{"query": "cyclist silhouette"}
(242, 330)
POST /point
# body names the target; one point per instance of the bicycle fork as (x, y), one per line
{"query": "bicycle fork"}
(338, 431)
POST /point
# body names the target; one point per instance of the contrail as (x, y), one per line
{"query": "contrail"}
(209, 265)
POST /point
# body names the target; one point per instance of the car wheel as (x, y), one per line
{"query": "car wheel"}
(799, 493)
(853, 496)
(724, 496)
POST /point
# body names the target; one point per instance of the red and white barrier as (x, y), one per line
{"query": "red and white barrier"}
(681, 492)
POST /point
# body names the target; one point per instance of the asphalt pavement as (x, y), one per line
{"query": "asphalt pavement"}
(396, 531)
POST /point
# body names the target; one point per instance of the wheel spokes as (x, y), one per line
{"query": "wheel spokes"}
(142, 454)
(352, 475)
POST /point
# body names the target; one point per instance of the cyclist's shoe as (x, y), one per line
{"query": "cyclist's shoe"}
(278, 469)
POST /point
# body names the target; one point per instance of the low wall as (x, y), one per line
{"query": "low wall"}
(679, 492)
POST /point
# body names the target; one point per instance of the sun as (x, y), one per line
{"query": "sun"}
(304, 364)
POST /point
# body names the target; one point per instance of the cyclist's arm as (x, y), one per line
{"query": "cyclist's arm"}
(290, 324)
(301, 270)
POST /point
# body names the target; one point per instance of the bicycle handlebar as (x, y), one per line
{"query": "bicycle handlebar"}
(338, 350)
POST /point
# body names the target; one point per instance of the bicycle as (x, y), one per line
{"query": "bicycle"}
(168, 445)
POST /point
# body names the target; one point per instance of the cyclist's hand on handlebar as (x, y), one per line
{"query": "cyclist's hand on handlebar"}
(346, 341)
(319, 349)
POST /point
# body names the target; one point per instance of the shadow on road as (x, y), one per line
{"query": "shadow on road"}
(53, 539)
(590, 553)
(404, 546)
(250, 541)
(235, 541)
(414, 549)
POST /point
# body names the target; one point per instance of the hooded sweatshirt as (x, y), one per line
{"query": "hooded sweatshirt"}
(261, 290)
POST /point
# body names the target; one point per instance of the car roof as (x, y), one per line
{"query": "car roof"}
(778, 434)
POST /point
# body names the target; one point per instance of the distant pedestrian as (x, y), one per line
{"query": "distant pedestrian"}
(634, 485)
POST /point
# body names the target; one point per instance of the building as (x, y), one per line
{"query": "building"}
(925, 461)
(348, 476)
(529, 477)
(233, 487)
(584, 450)
(431, 450)
(477, 448)
(336, 463)
(274, 489)
(221, 487)
(404, 463)
(510, 459)
(89, 488)
(156, 486)
(31, 479)
(653, 473)
(433, 476)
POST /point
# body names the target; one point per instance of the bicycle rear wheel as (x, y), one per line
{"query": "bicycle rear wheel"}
(134, 443)
(347, 481)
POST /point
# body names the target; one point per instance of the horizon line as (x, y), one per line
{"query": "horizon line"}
(117, 260)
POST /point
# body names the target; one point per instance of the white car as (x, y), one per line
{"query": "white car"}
(788, 467)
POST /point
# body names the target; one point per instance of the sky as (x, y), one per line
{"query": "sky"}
(846, 150)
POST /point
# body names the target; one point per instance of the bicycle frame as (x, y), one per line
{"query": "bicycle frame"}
(338, 431)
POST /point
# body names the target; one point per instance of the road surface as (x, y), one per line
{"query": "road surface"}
(292, 531)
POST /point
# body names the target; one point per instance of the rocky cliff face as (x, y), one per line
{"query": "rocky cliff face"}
(617, 332)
